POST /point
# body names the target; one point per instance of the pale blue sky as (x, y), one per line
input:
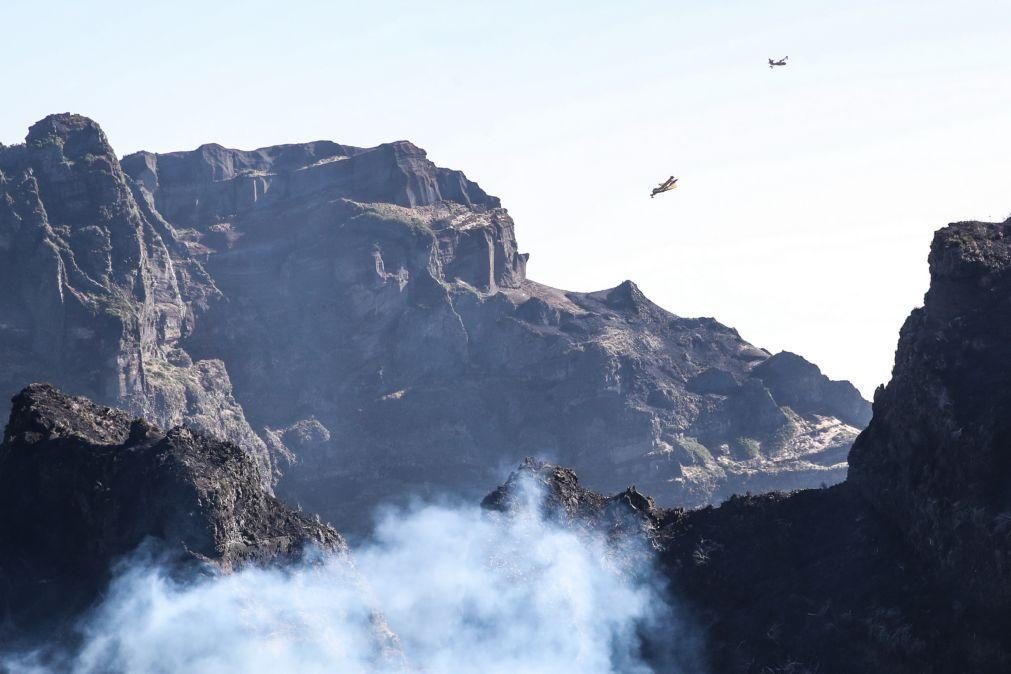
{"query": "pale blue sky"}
(807, 196)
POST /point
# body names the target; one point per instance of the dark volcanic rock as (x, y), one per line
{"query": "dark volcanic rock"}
(556, 492)
(816, 581)
(372, 315)
(936, 459)
(902, 568)
(82, 485)
(812, 582)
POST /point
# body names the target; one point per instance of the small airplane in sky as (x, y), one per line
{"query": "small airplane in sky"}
(665, 186)
(781, 62)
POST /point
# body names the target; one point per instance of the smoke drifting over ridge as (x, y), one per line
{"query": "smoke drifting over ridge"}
(464, 590)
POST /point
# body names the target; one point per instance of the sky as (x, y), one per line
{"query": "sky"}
(807, 195)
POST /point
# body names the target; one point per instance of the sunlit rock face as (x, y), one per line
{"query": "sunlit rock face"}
(368, 315)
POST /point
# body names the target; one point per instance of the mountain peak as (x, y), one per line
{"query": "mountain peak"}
(625, 295)
(77, 135)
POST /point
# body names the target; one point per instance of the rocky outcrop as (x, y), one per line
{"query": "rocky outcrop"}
(800, 385)
(902, 568)
(369, 314)
(556, 493)
(936, 459)
(82, 485)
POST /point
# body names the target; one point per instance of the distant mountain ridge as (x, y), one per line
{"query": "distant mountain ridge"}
(346, 314)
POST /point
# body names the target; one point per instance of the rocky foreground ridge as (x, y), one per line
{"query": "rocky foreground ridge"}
(902, 568)
(345, 313)
(83, 485)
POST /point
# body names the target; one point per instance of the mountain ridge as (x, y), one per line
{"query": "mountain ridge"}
(374, 309)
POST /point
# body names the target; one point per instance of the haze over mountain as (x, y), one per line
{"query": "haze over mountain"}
(344, 313)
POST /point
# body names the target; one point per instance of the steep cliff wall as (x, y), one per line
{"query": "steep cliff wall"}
(97, 291)
(936, 459)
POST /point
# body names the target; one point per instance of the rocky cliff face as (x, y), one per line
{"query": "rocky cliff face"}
(98, 292)
(82, 485)
(368, 313)
(902, 568)
(936, 460)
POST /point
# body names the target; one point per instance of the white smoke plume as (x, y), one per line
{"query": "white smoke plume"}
(465, 591)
